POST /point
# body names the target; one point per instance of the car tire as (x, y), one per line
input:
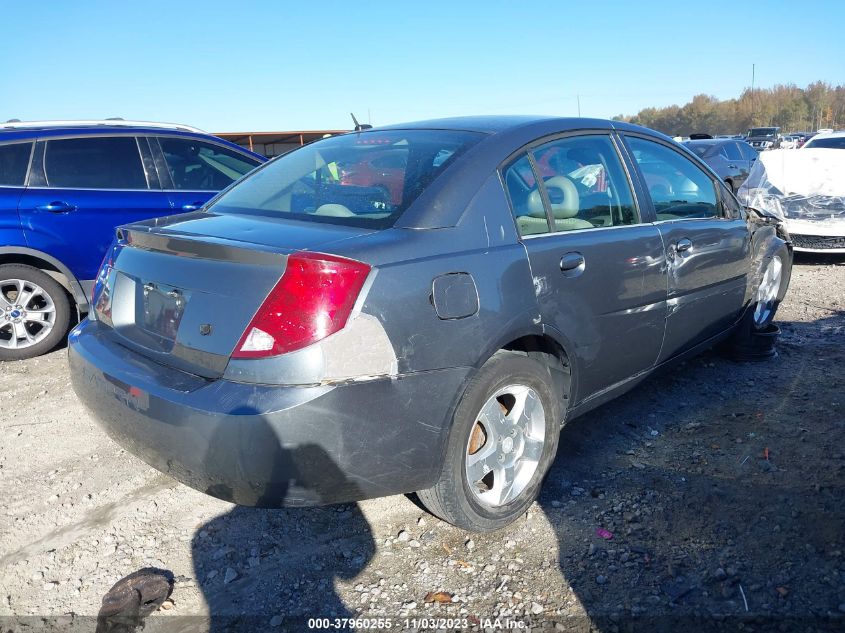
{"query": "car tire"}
(507, 422)
(41, 322)
(755, 335)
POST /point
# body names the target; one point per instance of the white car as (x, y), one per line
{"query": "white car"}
(829, 140)
(806, 190)
(789, 142)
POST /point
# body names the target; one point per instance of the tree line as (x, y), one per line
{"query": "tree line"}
(789, 107)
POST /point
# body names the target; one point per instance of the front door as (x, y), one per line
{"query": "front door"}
(197, 169)
(597, 270)
(707, 246)
(79, 190)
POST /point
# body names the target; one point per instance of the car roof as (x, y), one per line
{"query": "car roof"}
(50, 129)
(494, 124)
(44, 129)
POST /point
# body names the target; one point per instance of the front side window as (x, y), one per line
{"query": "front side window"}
(195, 165)
(679, 189)
(14, 161)
(579, 183)
(366, 179)
(94, 163)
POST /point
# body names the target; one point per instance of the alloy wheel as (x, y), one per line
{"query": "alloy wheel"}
(27, 313)
(505, 445)
(767, 292)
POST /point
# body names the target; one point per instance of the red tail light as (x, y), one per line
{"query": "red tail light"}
(312, 300)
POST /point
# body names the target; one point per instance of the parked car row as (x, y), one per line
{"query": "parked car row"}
(64, 186)
(413, 308)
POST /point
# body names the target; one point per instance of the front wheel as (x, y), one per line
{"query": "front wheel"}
(771, 290)
(503, 440)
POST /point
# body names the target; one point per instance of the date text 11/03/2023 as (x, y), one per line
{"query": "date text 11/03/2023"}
(422, 623)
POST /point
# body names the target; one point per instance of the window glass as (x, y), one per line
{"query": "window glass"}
(585, 183)
(198, 166)
(748, 152)
(732, 151)
(525, 200)
(14, 161)
(731, 208)
(678, 188)
(94, 163)
(699, 149)
(365, 179)
(831, 142)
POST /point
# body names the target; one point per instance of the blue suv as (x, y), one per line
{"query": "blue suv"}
(64, 186)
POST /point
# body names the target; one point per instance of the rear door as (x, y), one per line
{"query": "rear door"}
(707, 243)
(737, 163)
(597, 268)
(80, 189)
(14, 165)
(193, 170)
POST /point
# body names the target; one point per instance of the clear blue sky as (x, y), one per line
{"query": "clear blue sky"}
(264, 65)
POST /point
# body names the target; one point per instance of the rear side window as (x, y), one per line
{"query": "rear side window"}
(732, 151)
(366, 179)
(579, 184)
(14, 161)
(748, 152)
(198, 166)
(94, 163)
(679, 189)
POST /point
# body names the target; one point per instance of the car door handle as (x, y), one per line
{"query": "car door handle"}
(57, 206)
(572, 262)
(192, 206)
(732, 166)
(683, 245)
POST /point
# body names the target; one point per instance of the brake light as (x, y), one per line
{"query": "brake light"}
(312, 300)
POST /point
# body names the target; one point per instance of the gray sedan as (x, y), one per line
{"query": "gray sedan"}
(730, 159)
(325, 331)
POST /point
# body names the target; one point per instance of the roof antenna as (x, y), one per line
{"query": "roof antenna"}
(360, 126)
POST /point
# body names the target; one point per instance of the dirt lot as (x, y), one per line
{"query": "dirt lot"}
(721, 484)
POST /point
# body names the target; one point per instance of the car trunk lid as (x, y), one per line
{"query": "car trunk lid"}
(182, 291)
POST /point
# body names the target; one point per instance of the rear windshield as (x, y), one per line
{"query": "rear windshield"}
(699, 149)
(366, 179)
(762, 131)
(831, 142)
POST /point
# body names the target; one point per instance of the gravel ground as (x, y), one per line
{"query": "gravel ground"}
(719, 484)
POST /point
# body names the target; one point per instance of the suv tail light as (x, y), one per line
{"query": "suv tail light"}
(312, 300)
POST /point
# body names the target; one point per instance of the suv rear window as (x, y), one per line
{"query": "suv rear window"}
(14, 161)
(366, 179)
(94, 163)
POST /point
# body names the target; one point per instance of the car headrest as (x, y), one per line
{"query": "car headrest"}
(563, 196)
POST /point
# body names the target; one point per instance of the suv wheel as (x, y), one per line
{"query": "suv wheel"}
(34, 312)
(503, 439)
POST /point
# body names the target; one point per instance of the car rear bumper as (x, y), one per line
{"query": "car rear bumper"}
(268, 446)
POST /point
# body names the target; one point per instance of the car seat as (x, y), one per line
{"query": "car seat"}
(565, 203)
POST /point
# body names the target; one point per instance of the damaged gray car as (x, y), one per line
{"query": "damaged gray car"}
(418, 308)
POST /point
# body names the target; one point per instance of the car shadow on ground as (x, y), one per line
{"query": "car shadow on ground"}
(710, 496)
(291, 555)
